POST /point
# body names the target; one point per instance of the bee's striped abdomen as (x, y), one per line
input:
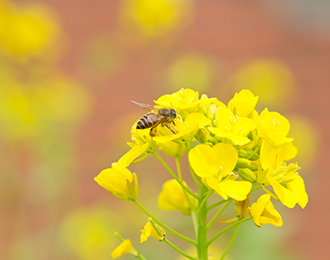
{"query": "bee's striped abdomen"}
(147, 121)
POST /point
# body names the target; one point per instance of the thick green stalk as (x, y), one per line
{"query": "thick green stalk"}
(201, 226)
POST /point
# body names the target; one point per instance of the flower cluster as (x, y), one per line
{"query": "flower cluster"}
(232, 151)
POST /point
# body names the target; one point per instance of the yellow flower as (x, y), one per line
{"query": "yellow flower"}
(185, 130)
(271, 157)
(243, 103)
(172, 197)
(124, 248)
(149, 231)
(263, 212)
(231, 127)
(185, 101)
(119, 182)
(273, 127)
(209, 106)
(288, 186)
(215, 165)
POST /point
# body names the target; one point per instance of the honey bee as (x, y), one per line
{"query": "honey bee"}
(151, 120)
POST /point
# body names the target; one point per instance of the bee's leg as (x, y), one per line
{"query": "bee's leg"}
(170, 129)
(153, 132)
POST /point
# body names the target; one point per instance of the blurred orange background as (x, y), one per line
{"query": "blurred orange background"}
(68, 70)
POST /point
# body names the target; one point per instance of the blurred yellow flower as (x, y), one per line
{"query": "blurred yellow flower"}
(149, 231)
(119, 182)
(263, 212)
(271, 79)
(27, 110)
(172, 197)
(27, 31)
(124, 248)
(85, 233)
(193, 71)
(154, 18)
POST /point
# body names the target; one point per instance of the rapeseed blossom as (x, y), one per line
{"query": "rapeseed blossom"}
(232, 151)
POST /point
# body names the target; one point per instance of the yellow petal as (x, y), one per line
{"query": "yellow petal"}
(227, 156)
(211, 182)
(203, 160)
(235, 139)
(149, 231)
(297, 186)
(237, 190)
(287, 197)
(124, 248)
(131, 155)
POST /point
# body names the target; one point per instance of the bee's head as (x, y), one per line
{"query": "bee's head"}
(173, 113)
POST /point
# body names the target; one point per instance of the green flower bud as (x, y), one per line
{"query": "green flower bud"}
(202, 135)
(243, 163)
(242, 153)
(247, 175)
(253, 167)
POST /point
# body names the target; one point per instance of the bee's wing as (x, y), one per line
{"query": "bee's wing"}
(144, 106)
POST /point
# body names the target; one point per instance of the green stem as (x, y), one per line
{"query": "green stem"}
(189, 146)
(216, 204)
(218, 214)
(174, 176)
(202, 245)
(254, 152)
(178, 250)
(230, 242)
(163, 225)
(164, 238)
(227, 228)
(256, 188)
(178, 167)
(177, 160)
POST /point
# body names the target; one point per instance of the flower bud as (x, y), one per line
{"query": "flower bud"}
(247, 175)
(202, 135)
(263, 212)
(253, 167)
(243, 163)
(119, 182)
(242, 153)
(252, 155)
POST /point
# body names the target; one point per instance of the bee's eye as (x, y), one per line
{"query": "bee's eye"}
(173, 112)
